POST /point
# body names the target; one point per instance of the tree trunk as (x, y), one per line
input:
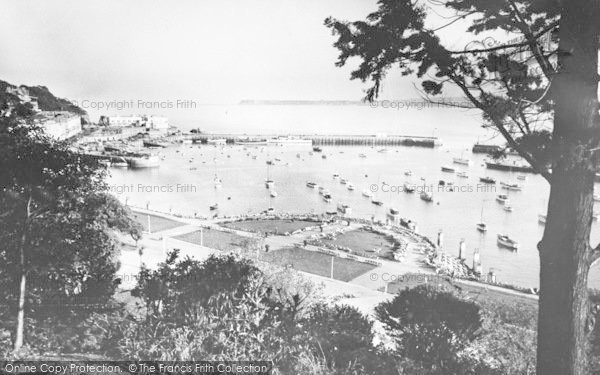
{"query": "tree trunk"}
(19, 334)
(565, 251)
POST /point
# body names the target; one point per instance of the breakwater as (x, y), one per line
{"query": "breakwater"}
(320, 140)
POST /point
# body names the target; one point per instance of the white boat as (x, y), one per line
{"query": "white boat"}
(508, 208)
(542, 219)
(362, 155)
(273, 194)
(336, 176)
(462, 161)
(462, 174)
(327, 197)
(376, 202)
(522, 177)
(214, 207)
(409, 188)
(150, 161)
(343, 181)
(367, 194)
(311, 185)
(512, 187)
(217, 182)
(323, 191)
(350, 187)
(269, 184)
(448, 169)
(506, 241)
(596, 197)
(408, 173)
(502, 198)
(344, 208)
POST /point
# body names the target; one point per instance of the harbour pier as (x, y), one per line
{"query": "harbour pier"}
(320, 140)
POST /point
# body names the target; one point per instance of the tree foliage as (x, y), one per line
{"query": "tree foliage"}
(58, 225)
(431, 327)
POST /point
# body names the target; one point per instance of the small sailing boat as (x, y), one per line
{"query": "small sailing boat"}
(482, 226)
(268, 182)
(273, 194)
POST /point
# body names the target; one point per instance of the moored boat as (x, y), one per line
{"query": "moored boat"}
(311, 185)
(327, 197)
(542, 219)
(502, 198)
(462, 161)
(512, 187)
(426, 196)
(269, 184)
(487, 180)
(448, 169)
(482, 227)
(462, 174)
(376, 202)
(350, 187)
(409, 188)
(505, 241)
(214, 207)
(367, 194)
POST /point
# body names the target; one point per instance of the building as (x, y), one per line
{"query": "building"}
(156, 124)
(59, 125)
(130, 120)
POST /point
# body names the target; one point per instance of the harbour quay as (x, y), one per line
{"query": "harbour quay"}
(317, 140)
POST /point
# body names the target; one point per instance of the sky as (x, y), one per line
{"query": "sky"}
(212, 52)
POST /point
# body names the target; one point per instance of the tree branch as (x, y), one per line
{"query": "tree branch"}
(507, 46)
(500, 126)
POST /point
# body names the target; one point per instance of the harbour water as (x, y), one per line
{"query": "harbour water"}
(184, 183)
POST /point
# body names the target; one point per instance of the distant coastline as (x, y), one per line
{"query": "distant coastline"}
(302, 102)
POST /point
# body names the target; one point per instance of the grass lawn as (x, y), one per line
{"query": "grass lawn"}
(214, 239)
(362, 240)
(278, 226)
(157, 223)
(317, 263)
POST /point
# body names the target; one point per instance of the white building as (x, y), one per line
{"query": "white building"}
(130, 120)
(157, 124)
